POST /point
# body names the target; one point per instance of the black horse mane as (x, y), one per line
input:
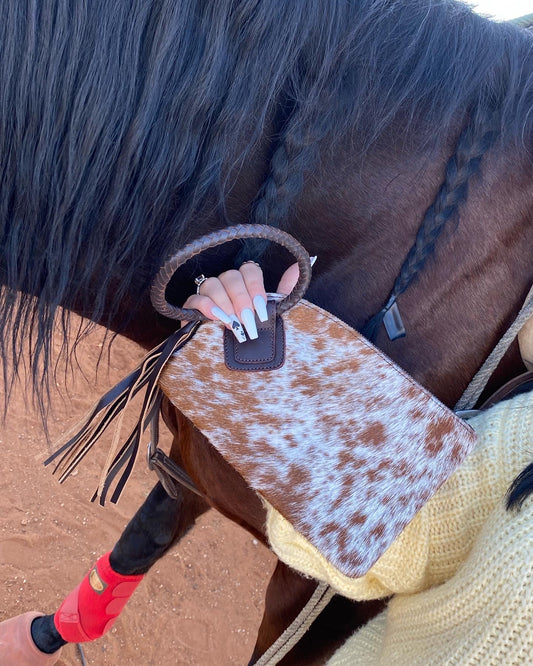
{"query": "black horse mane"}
(120, 121)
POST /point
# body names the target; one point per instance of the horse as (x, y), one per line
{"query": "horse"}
(393, 139)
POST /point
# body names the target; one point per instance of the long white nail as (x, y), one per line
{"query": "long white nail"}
(260, 307)
(312, 260)
(238, 330)
(220, 314)
(248, 319)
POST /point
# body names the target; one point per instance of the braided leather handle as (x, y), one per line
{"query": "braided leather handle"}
(160, 283)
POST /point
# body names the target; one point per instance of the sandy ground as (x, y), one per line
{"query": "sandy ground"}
(199, 606)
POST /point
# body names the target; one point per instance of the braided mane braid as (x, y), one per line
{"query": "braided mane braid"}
(294, 153)
(474, 141)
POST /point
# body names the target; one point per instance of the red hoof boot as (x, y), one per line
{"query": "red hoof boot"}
(91, 608)
(16, 644)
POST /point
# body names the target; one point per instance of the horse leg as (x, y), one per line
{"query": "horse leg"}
(92, 607)
(287, 593)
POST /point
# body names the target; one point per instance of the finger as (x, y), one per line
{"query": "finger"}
(214, 289)
(253, 279)
(235, 286)
(210, 306)
(288, 280)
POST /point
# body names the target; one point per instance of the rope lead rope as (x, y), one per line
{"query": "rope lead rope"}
(294, 632)
(482, 376)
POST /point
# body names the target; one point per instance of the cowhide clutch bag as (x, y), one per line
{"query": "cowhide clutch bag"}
(332, 433)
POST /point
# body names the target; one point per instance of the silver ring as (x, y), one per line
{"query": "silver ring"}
(198, 281)
(251, 261)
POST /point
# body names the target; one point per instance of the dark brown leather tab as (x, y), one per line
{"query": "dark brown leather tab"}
(267, 352)
(520, 384)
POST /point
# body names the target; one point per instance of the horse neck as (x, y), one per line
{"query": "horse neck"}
(360, 216)
(467, 294)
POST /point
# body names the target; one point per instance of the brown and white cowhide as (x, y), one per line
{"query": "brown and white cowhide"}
(340, 440)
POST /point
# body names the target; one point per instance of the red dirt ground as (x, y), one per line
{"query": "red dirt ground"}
(199, 606)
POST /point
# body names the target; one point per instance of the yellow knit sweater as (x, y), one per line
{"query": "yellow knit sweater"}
(461, 571)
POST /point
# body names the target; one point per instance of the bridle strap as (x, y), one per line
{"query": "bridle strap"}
(169, 472)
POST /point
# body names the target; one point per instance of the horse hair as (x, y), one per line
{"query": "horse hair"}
(480, 133)
(295, 151)
(93, 178)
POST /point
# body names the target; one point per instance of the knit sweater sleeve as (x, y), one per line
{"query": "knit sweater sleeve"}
(481, 616)
(438, 540)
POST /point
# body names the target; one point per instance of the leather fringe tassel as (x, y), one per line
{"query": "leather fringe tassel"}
(110, 408)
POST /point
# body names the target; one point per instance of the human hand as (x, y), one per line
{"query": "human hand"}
(235, 297)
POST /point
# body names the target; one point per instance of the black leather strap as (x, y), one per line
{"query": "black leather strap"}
(146, 377)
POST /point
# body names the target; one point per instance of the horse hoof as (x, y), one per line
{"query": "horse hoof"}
(16, 644)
